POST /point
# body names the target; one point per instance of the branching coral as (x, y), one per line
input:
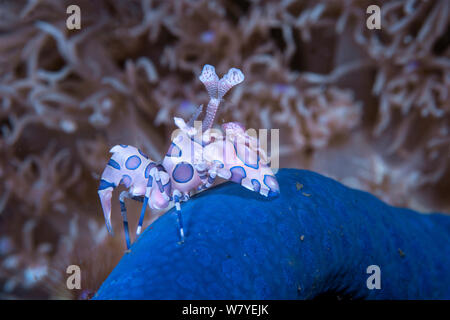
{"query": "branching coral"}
(312, 69)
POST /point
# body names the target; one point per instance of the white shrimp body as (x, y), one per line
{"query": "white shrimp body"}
(192, 163)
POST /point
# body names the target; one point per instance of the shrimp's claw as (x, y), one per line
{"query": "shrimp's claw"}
(105, 200)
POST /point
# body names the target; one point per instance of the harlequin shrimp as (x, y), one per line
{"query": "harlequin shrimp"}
(196, 157)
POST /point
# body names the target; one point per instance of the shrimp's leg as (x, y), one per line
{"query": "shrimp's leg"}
(123, 210)
(212, 174)
(177, 198)
(209, 177)
(144, 205)
(202, 171)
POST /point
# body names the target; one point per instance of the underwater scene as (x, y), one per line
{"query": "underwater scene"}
(224, 149)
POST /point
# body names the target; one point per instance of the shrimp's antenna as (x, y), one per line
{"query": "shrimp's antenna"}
(217, 89)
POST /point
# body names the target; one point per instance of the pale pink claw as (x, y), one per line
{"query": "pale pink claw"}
(105, 200)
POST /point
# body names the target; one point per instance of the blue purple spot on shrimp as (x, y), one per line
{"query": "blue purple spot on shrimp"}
(174, 151)
(113, 164)
(183, 172)
(272, 183)
(237, 174)
(105, 184)
(133, 163)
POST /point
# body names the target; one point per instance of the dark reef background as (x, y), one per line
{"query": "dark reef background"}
(369, 108)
